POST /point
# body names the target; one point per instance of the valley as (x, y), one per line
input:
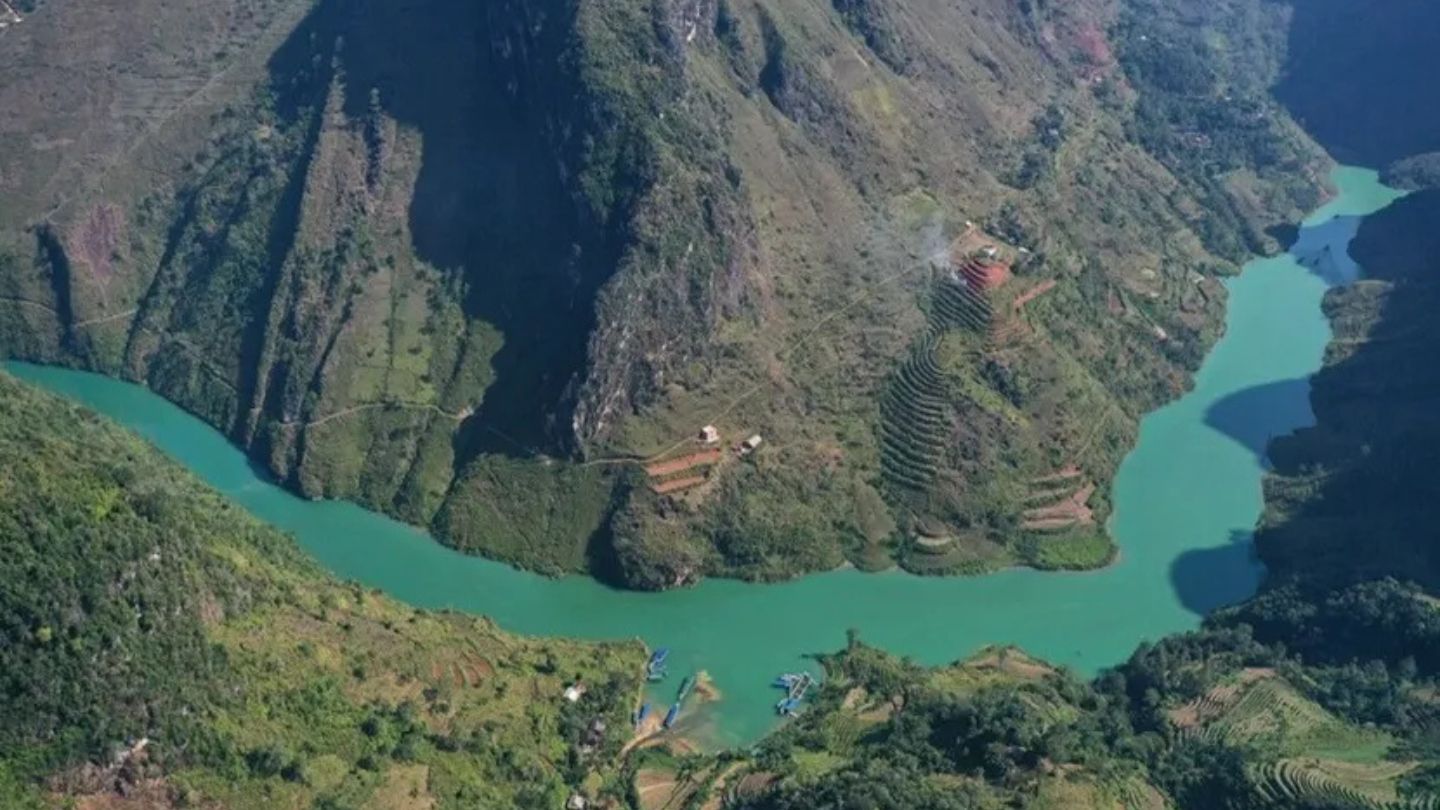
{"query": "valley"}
(483, 306)
(675, 328)
(1184, 498)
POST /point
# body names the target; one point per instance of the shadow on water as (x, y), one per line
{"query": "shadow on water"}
(1314, 248)
(1254, 416)
(1284, 233)
(1210, 578)
(1365, 477)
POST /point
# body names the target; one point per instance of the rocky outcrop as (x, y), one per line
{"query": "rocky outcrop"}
(464, 261)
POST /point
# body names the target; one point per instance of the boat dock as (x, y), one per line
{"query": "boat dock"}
(795, 684)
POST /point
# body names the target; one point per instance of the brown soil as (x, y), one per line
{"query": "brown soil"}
(660, 790)
(1067, 472)
(645, 734)
(654, 788)
(1214, 703)
(754, 784)
(705, 689)
(1070, 511)
(1033, 293)
(660, 469)
(151, 794)
(96, 238)
(1014, 663)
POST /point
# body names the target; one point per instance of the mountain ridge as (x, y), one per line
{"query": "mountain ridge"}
(396, 288)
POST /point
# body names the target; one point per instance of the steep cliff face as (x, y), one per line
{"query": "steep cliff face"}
(1352, 498)
(492, 267)
(1358, 80)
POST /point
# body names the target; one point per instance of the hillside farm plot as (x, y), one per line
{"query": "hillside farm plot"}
(1313, 754)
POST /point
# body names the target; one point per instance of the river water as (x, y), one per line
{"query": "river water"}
(1185, 501)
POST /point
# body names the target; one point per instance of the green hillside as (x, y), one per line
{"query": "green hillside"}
(160, 645)
(411, 253)
(1229, 717)
(164, 650)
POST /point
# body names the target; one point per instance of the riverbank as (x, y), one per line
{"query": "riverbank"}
(1185, 501)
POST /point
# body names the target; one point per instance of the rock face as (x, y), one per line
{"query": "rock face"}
(469, 263)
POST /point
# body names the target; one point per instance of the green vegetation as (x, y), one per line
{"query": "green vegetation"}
(1414, 173)
(539, 516)
(190, 655)
(1251, 712)
(1318, 693)
(1204, 107)
(137, 606)
(439, 296)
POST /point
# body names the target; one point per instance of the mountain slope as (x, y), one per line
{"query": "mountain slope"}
(159, 645)
(1342, 61)
(472, 265)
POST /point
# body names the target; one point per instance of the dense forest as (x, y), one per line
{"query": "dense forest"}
(1298, 700)
(161, 645)
(157, 643)
(689, 180)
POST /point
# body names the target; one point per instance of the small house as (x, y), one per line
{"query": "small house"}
(750, 445)
(577, 802)
(574, 692)
(709, 435)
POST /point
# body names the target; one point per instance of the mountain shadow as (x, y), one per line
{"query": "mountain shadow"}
(493, 208)
(1257, 415)
(1358, 494)
(1211, 578)
(1358, 76)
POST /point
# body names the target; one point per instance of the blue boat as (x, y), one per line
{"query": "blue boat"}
(785, 681)
(642, 713)
(671, 715)
(787, 706)
(655, 669)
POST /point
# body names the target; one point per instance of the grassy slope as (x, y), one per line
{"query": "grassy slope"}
(683, 206)
(136, 604)
(925, 146)
(1207, 720)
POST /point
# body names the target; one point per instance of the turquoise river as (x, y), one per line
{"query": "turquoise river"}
(1185, 501)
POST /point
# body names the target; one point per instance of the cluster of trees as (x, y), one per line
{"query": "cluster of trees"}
(1415, 172)
(124, 586)
(1362, 653)
(104, 571)
(1203, 108)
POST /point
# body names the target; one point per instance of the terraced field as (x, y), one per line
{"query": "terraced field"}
(915, 409)
(1293, 780)
(1303, 751)
(915, 420)
(956, 305)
